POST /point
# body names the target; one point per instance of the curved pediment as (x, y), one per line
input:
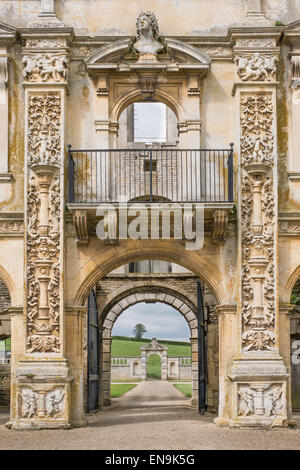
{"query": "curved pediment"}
(119, 55)
(190, 52)
(293, 26)
(109, 51)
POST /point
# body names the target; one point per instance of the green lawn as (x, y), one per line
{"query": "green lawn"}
(116, 390)
(126, 347)
(186, 389)
(154, 367)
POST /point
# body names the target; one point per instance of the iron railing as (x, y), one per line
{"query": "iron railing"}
(150, 175)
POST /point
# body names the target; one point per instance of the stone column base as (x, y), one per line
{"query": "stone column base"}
(257, 390)
(43, 395)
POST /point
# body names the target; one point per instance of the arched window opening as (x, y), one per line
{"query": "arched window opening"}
(147, 123)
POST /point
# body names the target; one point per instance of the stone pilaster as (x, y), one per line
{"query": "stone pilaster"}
(105, 380)
(7, 38)
(43, 374)
(258, 374)
(195, 378)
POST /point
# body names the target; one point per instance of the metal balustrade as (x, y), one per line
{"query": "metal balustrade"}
(150, 175)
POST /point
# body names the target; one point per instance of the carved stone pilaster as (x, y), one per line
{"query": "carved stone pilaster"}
(258, 374)
(43, 379)
(257, 222)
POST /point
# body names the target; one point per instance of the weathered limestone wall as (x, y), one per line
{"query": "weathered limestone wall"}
(215, 107)
(196, 15)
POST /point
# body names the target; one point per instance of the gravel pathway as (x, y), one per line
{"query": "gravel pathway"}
(154, 415)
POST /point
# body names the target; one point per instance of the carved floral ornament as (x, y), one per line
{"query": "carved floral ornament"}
(257, 223)
(256, 66)
(44, 157)
(44, 129)
(257, 141)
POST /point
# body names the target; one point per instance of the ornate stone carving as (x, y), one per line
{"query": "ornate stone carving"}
(42, 401)
(44, 157)
(82, 51)
(11, 226)
(148, 41)
(29, 404)
(44, 139)
(257, 139)
(255, 43)
(220, 222)
(257, 223)
(217, 51)
(45, 43)
(80, 223)
(289, 227)
(45, 67)
(260, 399)
(256, 67)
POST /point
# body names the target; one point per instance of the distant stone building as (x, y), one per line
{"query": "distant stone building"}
(127, 368)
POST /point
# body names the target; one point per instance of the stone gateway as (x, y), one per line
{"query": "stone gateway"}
(77, 82)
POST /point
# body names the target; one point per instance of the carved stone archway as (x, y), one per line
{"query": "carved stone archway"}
(154, 348)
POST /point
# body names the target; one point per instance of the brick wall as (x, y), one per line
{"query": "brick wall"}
(4, 296)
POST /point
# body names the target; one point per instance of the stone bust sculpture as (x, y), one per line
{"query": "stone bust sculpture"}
(147, 34)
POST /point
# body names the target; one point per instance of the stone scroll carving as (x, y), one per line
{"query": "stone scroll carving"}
(44, 155)
(256, 67)
(45, 67)
(260, 399)
(257, 223)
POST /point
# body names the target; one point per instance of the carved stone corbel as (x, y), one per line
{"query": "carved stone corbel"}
(80, 222)
(220, 222)
(103, 85)
(147, 82)
(193, 84)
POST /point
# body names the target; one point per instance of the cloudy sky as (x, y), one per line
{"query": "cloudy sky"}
(161, 322)
(150, 122)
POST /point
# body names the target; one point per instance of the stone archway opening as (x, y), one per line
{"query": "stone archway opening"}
(154, 367)
(120, 289)
(295, 347)
(5, 344)
(147, 123)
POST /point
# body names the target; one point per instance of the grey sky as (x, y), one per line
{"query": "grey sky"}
(160, 320)
(150, 121)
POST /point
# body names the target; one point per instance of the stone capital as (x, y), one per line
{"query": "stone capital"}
(226, 309)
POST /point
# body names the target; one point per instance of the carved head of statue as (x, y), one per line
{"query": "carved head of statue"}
(146, 23)
(147, 33)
